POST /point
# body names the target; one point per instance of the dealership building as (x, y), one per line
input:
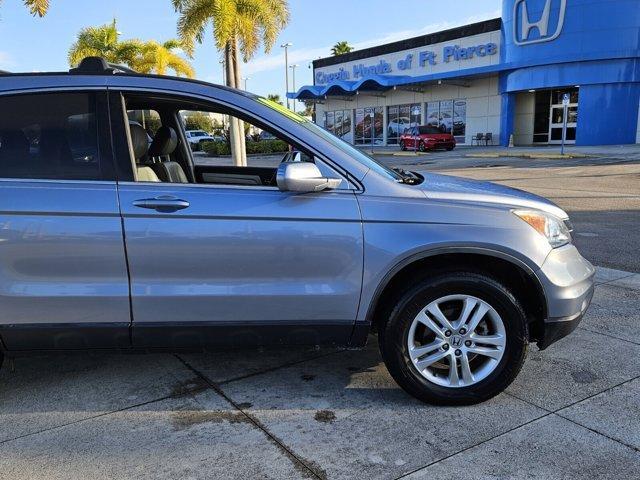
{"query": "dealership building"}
(506, 77)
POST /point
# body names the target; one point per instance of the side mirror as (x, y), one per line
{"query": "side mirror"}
(303, 177)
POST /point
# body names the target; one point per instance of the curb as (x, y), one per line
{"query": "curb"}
(532, 156)
(617, 278)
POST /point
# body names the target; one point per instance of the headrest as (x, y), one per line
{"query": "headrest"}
(164, 142)
(14, 141)
(139, 140)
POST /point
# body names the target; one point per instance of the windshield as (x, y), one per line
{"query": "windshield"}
(347, 148)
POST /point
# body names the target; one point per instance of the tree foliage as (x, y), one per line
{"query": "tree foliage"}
(155, 57)
(37, 7)
(341, 48)
(142, 56)
(198, 121)
(274, 97)
(249, 23)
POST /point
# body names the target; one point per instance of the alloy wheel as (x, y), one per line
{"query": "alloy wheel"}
(456, 341)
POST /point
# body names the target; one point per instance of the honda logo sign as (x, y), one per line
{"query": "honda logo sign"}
(524, 25)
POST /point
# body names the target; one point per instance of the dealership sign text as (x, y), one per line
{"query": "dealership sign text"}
(452, 53)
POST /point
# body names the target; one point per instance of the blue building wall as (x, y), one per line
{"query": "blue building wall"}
(591, 43)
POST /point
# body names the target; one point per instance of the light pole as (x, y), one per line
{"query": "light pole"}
(224, 72)
(244, 79)
(293, 72)
(286, 68)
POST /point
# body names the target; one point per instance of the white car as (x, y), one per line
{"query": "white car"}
(397, 126)
(197, 137)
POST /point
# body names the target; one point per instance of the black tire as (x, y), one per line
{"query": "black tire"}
(393, 337)
(450, 148)
(422, 147)
(403, 147)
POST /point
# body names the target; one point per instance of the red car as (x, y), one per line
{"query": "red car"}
(426, 138)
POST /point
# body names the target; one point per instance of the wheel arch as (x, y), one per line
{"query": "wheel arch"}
(519, 276)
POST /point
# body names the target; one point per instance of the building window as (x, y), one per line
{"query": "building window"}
(369, 126)
(338, 122)
(449, 116)
(459, 128)
(401, 118)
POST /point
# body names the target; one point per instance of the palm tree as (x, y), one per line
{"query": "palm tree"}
(155, 57)
(274, 97)
(341, 48)
(144, 57)
(239, 27)
(103, 41)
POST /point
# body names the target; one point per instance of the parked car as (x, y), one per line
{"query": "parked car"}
(197, 137)
(426, 138)
(144, 249)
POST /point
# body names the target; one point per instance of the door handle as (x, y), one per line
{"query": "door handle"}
(164, 204)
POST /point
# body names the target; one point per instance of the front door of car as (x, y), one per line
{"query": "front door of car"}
(63, 273)
(227, 264)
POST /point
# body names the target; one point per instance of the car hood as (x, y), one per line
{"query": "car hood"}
(446, 187)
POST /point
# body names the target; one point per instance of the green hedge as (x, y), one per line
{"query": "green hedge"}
(260, 147)
(216, 149)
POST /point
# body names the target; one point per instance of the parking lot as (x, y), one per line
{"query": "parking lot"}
(574, 411)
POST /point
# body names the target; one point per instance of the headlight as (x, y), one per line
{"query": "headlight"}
(551, 227)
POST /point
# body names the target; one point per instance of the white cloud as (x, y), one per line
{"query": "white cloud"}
(304, 56)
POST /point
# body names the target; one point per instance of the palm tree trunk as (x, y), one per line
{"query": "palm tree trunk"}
(238, 79)
(235, 132)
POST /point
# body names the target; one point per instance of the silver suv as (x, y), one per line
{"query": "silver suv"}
(108, 240)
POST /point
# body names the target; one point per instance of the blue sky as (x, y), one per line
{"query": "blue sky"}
(34, 44)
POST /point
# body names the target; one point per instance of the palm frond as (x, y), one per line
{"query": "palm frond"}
(194, 17)
(37, 7)
(172, 44)
(247, 23)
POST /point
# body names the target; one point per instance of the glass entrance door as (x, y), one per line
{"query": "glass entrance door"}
(556, 117)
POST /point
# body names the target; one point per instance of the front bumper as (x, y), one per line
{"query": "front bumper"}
(443, 145)
(568, 282)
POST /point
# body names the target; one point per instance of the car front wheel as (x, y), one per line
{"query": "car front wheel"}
(458, 338)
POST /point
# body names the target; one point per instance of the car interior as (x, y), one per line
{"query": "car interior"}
(164, 155)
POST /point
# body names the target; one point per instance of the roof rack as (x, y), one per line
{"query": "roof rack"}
(98, 66)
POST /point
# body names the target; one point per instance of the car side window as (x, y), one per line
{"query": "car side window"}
(51, 136)
(174, 140)
(217, 162)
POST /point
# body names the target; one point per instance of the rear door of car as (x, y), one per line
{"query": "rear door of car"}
(63, 273)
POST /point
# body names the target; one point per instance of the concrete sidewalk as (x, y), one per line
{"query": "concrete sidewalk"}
(574, 412)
